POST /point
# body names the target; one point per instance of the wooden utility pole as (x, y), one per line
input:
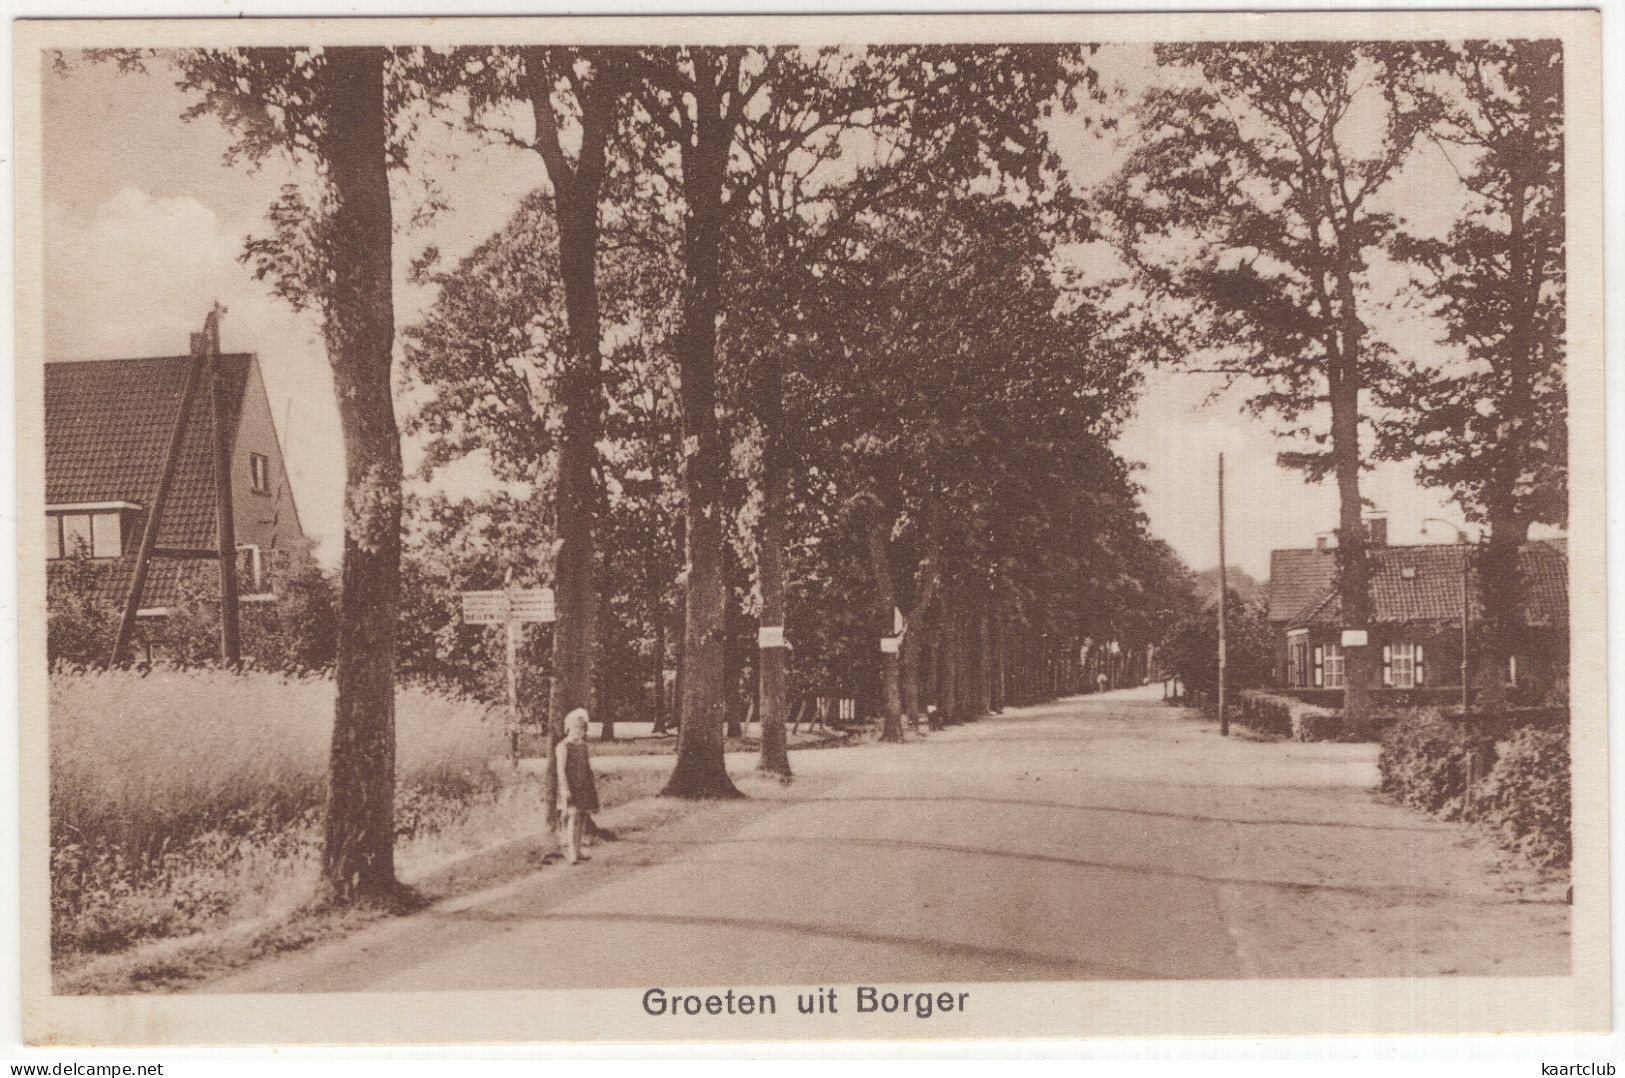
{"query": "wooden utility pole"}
(231, 652)
(160, 497)
(1224, 717)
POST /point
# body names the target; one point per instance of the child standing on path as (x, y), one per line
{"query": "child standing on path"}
(578, 793)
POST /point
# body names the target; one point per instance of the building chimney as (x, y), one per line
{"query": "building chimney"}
(1376, 531)
(1320, 541)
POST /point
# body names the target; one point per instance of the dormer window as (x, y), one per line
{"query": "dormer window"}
(259, 471)
(94, 530)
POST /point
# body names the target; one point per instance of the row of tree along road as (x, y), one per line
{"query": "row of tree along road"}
(798, 351)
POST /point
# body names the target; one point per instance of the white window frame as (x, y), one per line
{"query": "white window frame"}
(259, 472)
(256, 567)
(1403, 665)
(1336, 668)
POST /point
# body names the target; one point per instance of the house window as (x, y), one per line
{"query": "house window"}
(106, 536)
(1402, 665)
(1334, 666)
(76, 537)
(259, 470)
(96, 535)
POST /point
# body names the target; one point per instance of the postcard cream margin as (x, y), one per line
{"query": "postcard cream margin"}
(1335, 1007)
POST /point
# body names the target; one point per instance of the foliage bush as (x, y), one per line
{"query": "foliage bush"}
(1191, 648)
(174, 791)
(1265, 713)
(1526, 801)
(296, 634)
(1427, 760)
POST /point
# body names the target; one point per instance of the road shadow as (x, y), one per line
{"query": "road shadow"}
(1064, 968)
(1393, 892)
(1193, 817)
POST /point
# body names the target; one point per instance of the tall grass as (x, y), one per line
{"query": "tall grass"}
(182, 796)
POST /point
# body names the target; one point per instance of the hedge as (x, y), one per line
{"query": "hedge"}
(1429, 762)
(1282, 716)
(1519, 791)
(1526, 801)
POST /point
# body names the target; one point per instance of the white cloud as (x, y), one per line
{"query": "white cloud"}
(137, 276)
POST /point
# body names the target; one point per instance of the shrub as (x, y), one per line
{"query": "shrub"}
(1191, 648)
(1282, 716)
(1265, 713)
(1526, 800)
(1426, 761)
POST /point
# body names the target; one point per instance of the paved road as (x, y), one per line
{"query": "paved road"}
(1101, 837)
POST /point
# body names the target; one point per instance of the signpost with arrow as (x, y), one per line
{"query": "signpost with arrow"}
(511, 607)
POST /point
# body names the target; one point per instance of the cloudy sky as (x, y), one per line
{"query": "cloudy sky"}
(143, 227)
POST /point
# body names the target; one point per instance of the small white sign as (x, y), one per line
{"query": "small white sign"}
(496, 607)
(533, 604)
(770, 636)
(888, 645)
(1355, 638)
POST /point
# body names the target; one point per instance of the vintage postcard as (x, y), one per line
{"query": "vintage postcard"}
(757, 528)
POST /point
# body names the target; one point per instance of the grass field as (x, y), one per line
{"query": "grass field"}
(182, 800)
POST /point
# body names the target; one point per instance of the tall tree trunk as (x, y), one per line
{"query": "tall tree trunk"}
(733, 642)
(984, 665)
(676, 713)
(998, 665)
(933, 680)
(891, 728)
(948, 664)
(770, 546)
(660, 672)
(358, 848)
(701, 771)
(1353, 566)
(1498, 575)
(579, 394)
(1499, 570)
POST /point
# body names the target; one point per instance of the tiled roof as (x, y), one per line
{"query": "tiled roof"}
(1296, 577)
(107, 427)
(1420, 583)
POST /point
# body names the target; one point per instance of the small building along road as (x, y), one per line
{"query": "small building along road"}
(1093, 838)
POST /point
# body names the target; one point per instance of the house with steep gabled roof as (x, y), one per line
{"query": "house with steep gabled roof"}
(108, 425)
(1416, 599)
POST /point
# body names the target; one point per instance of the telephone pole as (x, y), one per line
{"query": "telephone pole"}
(1224, 717)
(225, 514)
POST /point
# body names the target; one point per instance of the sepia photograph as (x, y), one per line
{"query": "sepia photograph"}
(758, 528)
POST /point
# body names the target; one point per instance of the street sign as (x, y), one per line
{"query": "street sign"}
(770, 636)
(496, 607)
(533, 604)
(1355, 638)
(888, 644)
(510, 608)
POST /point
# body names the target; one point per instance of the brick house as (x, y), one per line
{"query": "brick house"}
(1416, 623)
(107, 428)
